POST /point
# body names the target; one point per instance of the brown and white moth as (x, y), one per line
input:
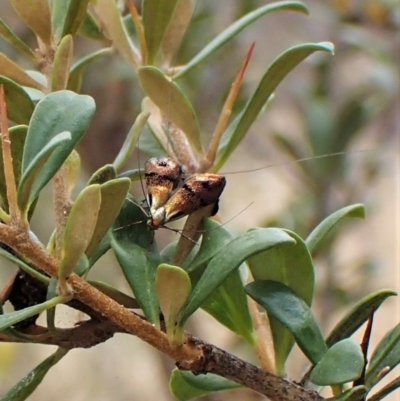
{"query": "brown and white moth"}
(164, 176)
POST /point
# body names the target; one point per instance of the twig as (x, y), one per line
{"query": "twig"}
(194, 355)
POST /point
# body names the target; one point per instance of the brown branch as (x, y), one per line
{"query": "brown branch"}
(194, 355)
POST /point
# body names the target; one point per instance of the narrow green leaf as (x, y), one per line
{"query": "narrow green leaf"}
(14, 72)
(139, 268)
(230, 32)
(17, 137)
(9, 319)
(62, 64)
(185, 385)
(173, 288)
(358, 315)
(113, 195)
(177, 27)
(133, 245)
(55, 113)
(284, 305)
(156, 16)
(79, 228)
(172, 102)
(230, 258)
(215, 237)
(276, 72)
(228, 305)
(67, 17)
(36, 14)
(26, 386)
(19, 104)
(353, 394)
(110, 17)
(130, 140)
(386, 355)
(32, 179)
(386, 390)
(76, 71)
(290, 265)
(327, 224)
(91, 29)
(7, 34)
(24, 266)
(342, 363)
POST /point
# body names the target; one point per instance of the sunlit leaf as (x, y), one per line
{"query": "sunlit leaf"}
(156, 16)
(230, 32)
(62, 64)
(172, 102)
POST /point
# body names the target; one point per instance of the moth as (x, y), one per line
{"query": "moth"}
(170, 196)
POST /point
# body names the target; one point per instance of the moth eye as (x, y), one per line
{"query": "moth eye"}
(150, 199)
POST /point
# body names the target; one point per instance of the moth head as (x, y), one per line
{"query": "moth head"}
(163, 175)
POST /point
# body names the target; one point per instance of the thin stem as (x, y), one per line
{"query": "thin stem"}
(9, 175)
(211, 155)
(139, 30)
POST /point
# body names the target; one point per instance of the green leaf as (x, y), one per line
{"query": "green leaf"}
(103, 175)
(24, 266)
(358, 315)
(130, 140)
(79, 228)
(230, 32)
(76, 71)
(230, 258)
(62, 64)
(215, 237)
(386, 390)
(290, 265)
(156, 16)
(55, 113)
(14, 72)
(287, 307)
(19, 104)
(67, 16)
(176, 30)
(91, 29)
(172, 102)
(173, 288)
(7, 34)
(113, 195)
(17, 136)
(353, 394)
(110, 18)
(276, 72)
(11, 318)
(185, 385)
(342, 363)
(36, 14)
(139, 268)
(133, 245)
(328, 223)
(386, 356)
(32, 179)
(27, 385)
(228, 304)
